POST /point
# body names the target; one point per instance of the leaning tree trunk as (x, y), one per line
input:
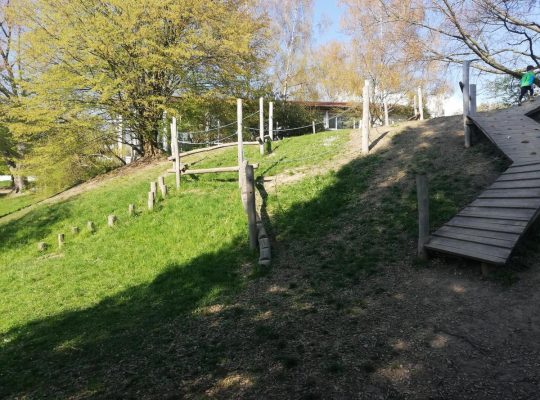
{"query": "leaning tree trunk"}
(19, 181)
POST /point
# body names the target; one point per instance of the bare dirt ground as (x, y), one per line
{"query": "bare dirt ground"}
(436, 331)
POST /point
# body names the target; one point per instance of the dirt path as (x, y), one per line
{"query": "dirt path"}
(432, 332)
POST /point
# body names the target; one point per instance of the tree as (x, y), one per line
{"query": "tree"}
(291, 35)
(99, 60)
(11, 72)
(501, 34)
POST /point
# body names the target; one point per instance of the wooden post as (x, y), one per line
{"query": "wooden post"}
(75, 230)
(423, 214)
(90, 226)
(239, 129)
(42, 246)
(218, 131)
(111, 220)
(313, 126)
(61, 240)
(466, 127)
(250, 206)
(261, 125)
(162, 186)
(420, 104)
(386, 113)
(365, 118)
(415, 106)
(153, 188)
(271, 120)
(151, 200)
(131, 210)
(176, 151)
(473, 99)
(326, 120)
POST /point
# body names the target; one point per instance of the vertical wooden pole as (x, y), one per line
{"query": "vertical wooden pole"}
(239, 133)
(61, 240)
(162, 186)
(131, 210)
(164, 133)
(271, 120)
(111, 220)
(250, 206)
(261, 125)
(151, 200)
(326, 120)
(176, 151)
(423, 213)
(90, 226)
(386, 113)
(75, 230)
(313, 126)
(153, 188)
(218, 131)
(466, 127)
(365, 118)
(420, 104)
(473, 99)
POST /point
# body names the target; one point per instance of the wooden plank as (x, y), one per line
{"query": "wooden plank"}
(519, 176)
(517, 214)
(512, 237)
(477, 239)
(235, 168)
(507, 203)
(488, 224)
(528, 167)
(516, 184)
(510, 193)
(472, 250)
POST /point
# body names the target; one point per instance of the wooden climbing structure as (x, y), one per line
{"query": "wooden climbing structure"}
(489, 228)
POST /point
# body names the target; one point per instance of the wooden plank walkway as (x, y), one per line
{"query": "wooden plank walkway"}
(489, 228)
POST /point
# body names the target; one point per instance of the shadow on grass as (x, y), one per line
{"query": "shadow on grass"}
(33, 226)
(148, 341)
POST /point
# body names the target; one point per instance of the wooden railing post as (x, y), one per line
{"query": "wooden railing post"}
(466, 127)
(176, 151)
(261, 125)
(422, 194)
(271, 120)
(365, 118)
(472, 108)
(420, 104)
(239, 134)
(386, 113)
(250, 206)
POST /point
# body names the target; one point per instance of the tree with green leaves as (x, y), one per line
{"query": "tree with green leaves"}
(96, 61)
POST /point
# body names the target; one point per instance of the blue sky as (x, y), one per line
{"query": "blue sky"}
(330, 12)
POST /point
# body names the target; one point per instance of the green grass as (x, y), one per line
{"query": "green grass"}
(11, 202)
(5, 184)
(104, 316)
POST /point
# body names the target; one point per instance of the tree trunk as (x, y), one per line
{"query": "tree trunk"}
(19, 181)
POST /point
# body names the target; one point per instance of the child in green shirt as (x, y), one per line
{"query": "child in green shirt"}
(527, 81)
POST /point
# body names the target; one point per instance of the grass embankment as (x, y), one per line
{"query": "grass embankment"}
(11, 202)
(161, 304)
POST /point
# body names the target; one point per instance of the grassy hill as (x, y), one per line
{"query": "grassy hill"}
(170, 303)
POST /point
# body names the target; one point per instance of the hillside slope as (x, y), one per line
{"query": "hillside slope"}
(170, 303)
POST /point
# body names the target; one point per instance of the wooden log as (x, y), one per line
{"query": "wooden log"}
(365, 119)
(466, 126)
(313, 126)
(386, 113)
(175, 151)
(423, 214)
(472, 106)
(261, 125)
(415, 106)
(42, 246)
(90, 226)
(75, 230)
(420, 104)
(271, 120)
(131, 210)
(211, 148)
(268, 146)
(153, 188)
(61, 239)
(111, 220)
(250, 206)
(151, 200)
(242, 180)
(239, 131)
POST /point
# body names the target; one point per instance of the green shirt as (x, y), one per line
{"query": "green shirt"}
(527, 79)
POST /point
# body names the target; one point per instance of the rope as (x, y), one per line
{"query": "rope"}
(210, 142)
(221, 126)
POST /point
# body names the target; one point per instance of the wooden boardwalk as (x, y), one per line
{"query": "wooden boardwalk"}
(490, 227)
